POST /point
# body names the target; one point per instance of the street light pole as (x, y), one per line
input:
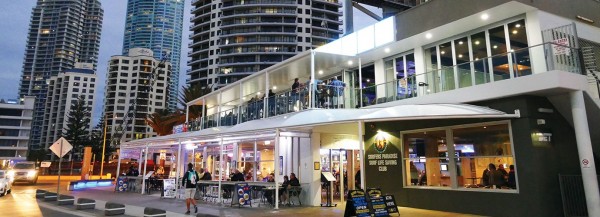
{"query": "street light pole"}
(103, 148)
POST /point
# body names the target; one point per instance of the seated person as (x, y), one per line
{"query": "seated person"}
(284, 186)
(269, 193)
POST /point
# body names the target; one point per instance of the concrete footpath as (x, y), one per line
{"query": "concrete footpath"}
(135, 204)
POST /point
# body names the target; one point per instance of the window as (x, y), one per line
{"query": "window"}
(481, 157)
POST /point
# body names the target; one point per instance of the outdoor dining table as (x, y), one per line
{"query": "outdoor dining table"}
(232, 184)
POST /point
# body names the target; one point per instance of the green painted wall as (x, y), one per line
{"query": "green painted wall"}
(537, 166)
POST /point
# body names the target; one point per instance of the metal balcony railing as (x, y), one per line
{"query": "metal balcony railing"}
(337, 95)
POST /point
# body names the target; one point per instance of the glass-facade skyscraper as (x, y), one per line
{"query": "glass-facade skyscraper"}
(61, 33)
(157, 25)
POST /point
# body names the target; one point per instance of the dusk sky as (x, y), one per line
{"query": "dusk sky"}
(15, 23)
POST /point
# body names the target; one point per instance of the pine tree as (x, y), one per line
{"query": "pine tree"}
(78, 125)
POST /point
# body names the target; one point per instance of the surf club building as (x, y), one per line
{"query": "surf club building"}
(486, 109)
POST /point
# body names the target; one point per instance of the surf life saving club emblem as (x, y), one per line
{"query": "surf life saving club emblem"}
(381, 143)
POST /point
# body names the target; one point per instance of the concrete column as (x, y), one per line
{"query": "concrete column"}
(586, 158)
(348, 17)
(360, 84)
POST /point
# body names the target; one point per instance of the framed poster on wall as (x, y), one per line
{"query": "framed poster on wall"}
(280, 165)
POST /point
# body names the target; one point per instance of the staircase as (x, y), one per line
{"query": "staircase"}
(589, 61)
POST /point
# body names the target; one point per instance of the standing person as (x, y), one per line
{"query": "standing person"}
(295, 90)
(189, 182)
(337, 92)
(357, 180)
(512, 181)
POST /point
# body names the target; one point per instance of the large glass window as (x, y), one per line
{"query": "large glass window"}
(500, 65)
(463, 59)
(265, 152)
(482, 157)
(518, 45)
(423, 157)
(480, 54)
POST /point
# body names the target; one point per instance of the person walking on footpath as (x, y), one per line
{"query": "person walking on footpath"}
(189, 182)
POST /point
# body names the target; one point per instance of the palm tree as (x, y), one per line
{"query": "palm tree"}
(188, 94)
(163, 122)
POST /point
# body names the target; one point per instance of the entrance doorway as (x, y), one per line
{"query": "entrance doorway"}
(343, 165)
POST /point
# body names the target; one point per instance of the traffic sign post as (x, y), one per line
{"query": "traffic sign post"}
(60, 148)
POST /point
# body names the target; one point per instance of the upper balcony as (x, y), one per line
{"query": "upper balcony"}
(227, 108)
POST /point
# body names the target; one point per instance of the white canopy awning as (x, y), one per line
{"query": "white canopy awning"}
(316, 117)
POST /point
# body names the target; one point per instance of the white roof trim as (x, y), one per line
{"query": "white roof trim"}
(316, 117)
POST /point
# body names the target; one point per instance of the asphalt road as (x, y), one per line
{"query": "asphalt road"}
(21, 202)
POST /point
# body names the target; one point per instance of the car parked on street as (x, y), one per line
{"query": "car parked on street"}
(24, 171)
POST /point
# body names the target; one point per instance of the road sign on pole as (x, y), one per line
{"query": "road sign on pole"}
(60, 148)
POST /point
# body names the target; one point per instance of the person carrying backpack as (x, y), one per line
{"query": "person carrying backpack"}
(189, 182)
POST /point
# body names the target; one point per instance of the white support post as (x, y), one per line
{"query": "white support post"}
(361, 148)
(341, 169)
(266, 96)
(177, 170)
(145, 168)
(220, 169)
(255, 169)
(187, 113)
(220, 102)
(586, 158)
(118, 166)
(312, 86)
(360, 98)
(276, 168)
(241, 102)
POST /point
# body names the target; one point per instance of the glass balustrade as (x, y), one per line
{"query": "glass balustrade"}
(518, 63)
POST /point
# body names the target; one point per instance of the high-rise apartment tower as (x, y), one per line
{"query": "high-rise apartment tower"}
(61, 33)
(132, 93)
(157, 25)
(231, 39)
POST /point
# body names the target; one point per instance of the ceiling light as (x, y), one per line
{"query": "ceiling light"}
(518, 25)
(476, 42)
(428, 35)
(267, 142)
(514, 32)
(460, 56)
(387, 50)
(460, 42)
(485, 16)
(443, 52)
(274, 87)
(495, 46)
(258, 93)
(320, 72)
(368, 80)
(349, 62)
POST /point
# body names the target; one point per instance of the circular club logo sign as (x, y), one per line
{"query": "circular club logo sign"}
(381, 143)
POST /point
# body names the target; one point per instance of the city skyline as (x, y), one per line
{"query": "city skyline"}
(17, 16)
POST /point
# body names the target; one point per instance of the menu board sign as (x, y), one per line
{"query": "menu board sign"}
(357, 204)
(243, 193)
(169, 188)
(378, 204)
(121, 185)
(390, 204)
